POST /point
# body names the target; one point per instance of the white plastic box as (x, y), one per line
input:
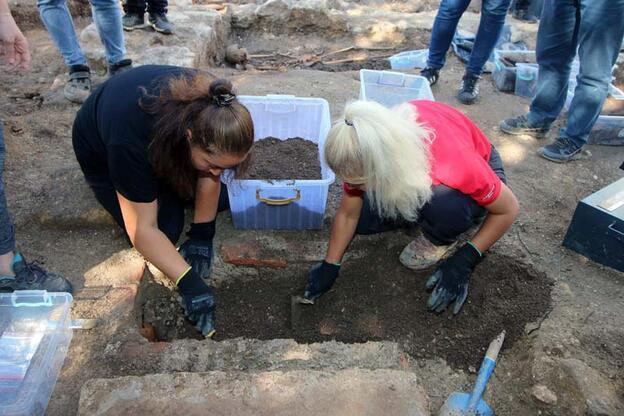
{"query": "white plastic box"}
(283, 204)
(393, 88)
(34, 336)
(409, 59)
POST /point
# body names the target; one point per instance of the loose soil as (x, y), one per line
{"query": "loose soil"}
(379, 299)
(293, 158)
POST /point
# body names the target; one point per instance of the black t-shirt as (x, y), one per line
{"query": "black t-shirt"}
(111, 132)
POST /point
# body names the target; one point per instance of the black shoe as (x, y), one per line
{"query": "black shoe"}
(469, 89)
(78, 86)
(432, 75)
(119, 67)
(29, 276)
(133, 21)
(524, 15)
(159, 22)
(521, 126)
(560, 151)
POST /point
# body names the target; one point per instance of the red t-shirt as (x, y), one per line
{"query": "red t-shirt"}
(459, 153)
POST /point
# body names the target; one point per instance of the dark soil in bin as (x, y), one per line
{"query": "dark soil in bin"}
(376, 298)
(293, 158)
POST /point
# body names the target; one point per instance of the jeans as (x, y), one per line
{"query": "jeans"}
(171, 208)
(596, 28)
(7, 235)
(493, 14)
(107, 16)
(448, 214)
(138, 6)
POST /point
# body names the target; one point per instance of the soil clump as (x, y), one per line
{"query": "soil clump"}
(275, 159)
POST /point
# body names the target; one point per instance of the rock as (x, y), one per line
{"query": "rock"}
(122, 268)
(309, 392)
(235, 55)
(599, 395)
(167, 55)
(275, 10)
(242, 16)
(543, 394)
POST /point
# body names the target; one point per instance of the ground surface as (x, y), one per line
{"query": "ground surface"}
(580, 335)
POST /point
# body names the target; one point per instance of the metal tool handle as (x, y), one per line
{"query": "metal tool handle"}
(279, 201)
(485, 372)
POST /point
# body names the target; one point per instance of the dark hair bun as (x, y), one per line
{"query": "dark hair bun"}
(219, 87)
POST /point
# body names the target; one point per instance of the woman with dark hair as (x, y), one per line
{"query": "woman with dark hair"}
(150, 141)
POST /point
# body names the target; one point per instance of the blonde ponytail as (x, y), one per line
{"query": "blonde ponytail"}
(388, 150)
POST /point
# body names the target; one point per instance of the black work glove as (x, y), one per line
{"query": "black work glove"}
(197, 250)
(199, 302)
(450, 280)
(321, 278)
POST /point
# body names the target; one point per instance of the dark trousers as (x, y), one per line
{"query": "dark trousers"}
(139, 6)
(7, 236)
(595, 28)
(448, 214)
(493, 14)
(170, 206)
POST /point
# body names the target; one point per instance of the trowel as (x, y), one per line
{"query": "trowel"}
(471, 404)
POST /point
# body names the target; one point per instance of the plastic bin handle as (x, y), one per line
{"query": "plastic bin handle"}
(391, 78)
(46, 300)
(279, 201)
(613, 232)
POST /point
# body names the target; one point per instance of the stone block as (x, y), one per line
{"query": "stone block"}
(302, 393)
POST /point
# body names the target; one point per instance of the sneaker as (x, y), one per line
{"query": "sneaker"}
(432, 75)
(524, 15)
(561, 150)
(78, 86)
(521, 126)
(29, 276)
(421, 253)
(469, 89)
(119, 67)
(159, 22)
(132, 21)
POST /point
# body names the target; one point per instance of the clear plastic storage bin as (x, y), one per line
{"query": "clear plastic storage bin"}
(283, 204)
(34, 336)
(393, 88)
(607, 129)
(526, 80)
(409, 59)
(504, 76)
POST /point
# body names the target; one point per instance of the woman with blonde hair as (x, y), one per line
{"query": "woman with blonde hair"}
(421, 163)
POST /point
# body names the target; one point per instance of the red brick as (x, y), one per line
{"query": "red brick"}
(250, 254)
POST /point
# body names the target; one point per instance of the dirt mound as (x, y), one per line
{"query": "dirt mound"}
(293, 158)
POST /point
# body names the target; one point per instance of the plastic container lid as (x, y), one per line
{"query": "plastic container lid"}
(409, 59)
(34, 336)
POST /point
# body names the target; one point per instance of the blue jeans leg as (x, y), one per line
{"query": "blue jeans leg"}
(493, 14)
(57, 20)
(107, 18)
(557, 40)
(598, 52)
(443, 30)
(7, 236)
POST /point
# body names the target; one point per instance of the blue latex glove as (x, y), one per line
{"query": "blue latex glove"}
(451, 279)
(321, 278)
(199, 302)
(197, 250)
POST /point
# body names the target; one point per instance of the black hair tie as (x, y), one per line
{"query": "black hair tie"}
(223, 100)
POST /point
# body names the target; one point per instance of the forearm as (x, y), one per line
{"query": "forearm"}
(342, 232)
(493, 228)
(207, 199)
(4, 7)
(158, 250)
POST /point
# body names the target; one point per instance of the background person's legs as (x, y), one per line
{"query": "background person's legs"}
(107, 18)
(557, 39)
(443, 30)
(60, 26)
(493, 13)
(598, 52)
